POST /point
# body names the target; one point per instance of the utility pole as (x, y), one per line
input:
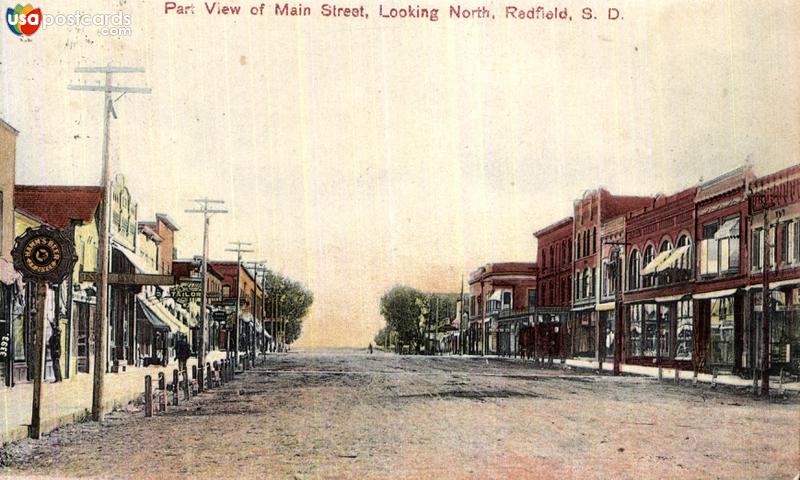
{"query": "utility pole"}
(765, 309)
(258, 267)
(207, 210)
(101, 319)
(460, 343)
(239, 249)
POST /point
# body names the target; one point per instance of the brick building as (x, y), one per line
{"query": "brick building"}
(776, 199)
(591, 211)
(503, 298)
(658, 312)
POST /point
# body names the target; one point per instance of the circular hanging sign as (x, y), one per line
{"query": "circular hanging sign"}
(44, 253)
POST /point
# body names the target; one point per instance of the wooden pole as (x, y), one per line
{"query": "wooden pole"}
(765, 317)
(148, 396)
(38, 358)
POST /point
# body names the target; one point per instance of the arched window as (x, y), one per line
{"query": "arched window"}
(685, 262)
(569, 249)
(577, 247)
(585, 243)
(649, 254)
(594, 239)
(544, 259)
(563, 252)
(552, 257)
(633, 270)
(666, 245)
(551, 292)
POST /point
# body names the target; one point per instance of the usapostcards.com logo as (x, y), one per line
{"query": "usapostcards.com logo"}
(23, 20)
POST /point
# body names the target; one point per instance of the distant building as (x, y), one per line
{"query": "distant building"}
(503, 297)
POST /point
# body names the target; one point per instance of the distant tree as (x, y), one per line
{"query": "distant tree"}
(289, 299)
(402, 308)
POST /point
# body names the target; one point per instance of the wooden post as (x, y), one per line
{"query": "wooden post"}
(186, 394)
(209, 378)
(677, 375)
(194, 372)
(162, 392)
(175, 382)
(148, 396)
(38, 358)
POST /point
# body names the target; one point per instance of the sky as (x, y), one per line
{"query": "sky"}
(357, 154)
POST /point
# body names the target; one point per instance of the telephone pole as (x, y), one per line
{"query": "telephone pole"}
(206, 208)
(258, 267)
(101, 319)
(239, 249)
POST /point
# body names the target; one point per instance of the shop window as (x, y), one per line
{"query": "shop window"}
(650, 329)
(664, 332)
(635, 331)
(722, 331)
(685, 323)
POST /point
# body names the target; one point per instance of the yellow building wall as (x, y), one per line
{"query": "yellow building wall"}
(8, 154)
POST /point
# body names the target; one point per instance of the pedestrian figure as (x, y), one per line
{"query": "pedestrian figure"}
(54, 343)
(182, 352)
(369, 348)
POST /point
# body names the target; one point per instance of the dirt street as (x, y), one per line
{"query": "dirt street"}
(345, 414)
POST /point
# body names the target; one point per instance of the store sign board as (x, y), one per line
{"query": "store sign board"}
(44, 254)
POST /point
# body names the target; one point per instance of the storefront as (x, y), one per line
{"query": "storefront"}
(584, 326)
(784, 338)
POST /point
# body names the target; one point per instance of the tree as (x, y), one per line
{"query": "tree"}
(402, 311)
(289, 299)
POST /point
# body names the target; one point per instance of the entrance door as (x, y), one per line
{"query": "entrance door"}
(85, 318)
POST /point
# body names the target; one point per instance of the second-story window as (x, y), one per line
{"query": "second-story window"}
(719, 247)
(649, 255)
(633, 270)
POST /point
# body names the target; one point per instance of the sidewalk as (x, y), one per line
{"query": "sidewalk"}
(669, 373)
(71, 400)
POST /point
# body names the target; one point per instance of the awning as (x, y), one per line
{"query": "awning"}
(672, 298)
(673, 258)
(728, 229)
(604, 307)
(717, 294)
(781, 283)
(246, 318)
(653, 265)
(163, 314)
(145, 311)
(583, 308)
(497, 295)
(137, 262)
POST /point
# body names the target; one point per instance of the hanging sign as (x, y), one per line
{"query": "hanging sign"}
(44, 254)
(185, 293)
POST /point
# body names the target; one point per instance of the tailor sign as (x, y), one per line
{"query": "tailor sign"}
(44, 254)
